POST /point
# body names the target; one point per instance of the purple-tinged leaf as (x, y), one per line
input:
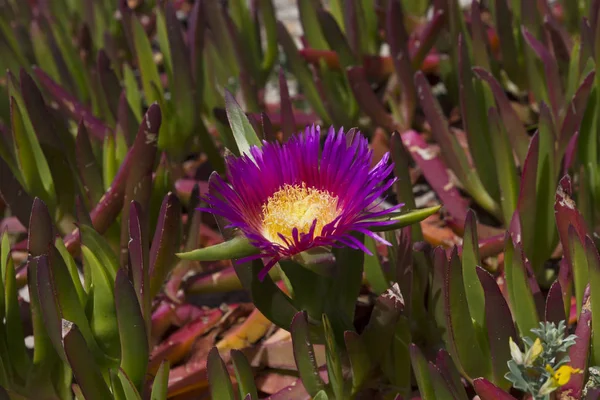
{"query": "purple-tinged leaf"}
(463, 340)
(566, 215)
(555, 307)
(518, 136)
(422, 374)
(592, 394)
(427, 38)
(86, 370)
(593, 261)
(526, 204)
(562, 44)
(580, 351)
(81, 213)
(138, 256)
(442, 388)
(352, 27)
(46, 127)
(43, 347)
(453, 154)
(108, 82)
(88, 166)
(288, 124)
(336, 39)
(105, 212)
(579, 265)
(165, 243)
(132, 330)
(13, 194)
(367, 99)
(499, 324)
(436, 174)
(127, 122)
(574, 113)
(41, 230)
(48, 301)
(405, 270)
(138, 187)
(10, 311)
(304, 354)
(553, 82)
(565, 277)
(444, 363)
(403, 186)
(488, 391)
(398, 40)
(267, 128)
(508, 46)
(71, 106)
(570, 154)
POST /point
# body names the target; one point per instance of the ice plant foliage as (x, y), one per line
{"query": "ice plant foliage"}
(292, 197)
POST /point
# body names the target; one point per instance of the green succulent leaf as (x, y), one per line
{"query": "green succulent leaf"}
(218, 377)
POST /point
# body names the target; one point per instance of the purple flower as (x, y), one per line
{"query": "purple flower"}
(290, 198)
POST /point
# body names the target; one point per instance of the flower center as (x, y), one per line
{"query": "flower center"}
(296, 206)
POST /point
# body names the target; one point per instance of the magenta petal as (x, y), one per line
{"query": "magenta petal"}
(342, 169)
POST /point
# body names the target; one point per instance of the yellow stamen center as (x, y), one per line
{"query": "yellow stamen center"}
(296, 206)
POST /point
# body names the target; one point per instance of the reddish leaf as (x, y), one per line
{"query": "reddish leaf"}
(437, 176)
(111, 203)
(567, 214)
(108, 82)
(555, 309)
(138, 255)
(41, 231)
(14, 195)
(553, 82)
(427, 38)
(165, 243)
(517, 134)
(488, 391)
(367, 100)
(288, 124)
(499, 323)
(579, 352)
(71, 105)
(88, 166)
(177, 345)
